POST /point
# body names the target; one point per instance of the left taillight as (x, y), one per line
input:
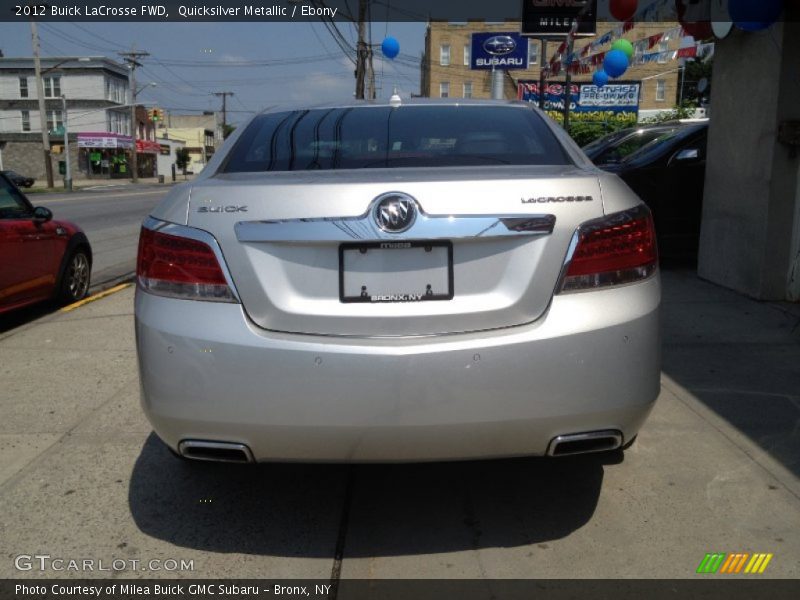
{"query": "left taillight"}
(180, 267)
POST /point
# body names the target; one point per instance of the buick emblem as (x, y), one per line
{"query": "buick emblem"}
(500, 45)
(395, 212)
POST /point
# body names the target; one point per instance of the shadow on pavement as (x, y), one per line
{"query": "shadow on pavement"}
(738, 356)
(296, 510)
(23, 316)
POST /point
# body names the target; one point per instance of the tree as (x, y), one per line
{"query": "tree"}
(227, 129)
(182, 160)
(695, 71)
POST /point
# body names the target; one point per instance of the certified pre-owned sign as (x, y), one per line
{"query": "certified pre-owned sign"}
(499, 50)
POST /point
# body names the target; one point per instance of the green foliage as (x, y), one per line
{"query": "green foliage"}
(684, 111)
(584, 132)
(227, 130)
(182, 160)
(585, 127)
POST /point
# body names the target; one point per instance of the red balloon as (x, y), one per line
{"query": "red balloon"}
(695, 18)
(622, 10)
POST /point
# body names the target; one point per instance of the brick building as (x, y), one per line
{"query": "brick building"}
(445, 69)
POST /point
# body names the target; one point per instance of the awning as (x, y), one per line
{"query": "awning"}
(147, 147)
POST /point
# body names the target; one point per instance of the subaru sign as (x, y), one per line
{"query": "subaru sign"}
(503, 50)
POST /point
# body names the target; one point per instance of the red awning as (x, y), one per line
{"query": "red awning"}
(147, 147)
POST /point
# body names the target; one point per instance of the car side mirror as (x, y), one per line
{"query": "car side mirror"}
(42, 214)
(688, 154)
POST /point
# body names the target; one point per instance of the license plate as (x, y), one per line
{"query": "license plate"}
(396, 271)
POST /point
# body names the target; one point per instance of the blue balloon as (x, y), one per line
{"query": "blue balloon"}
(753, 16)
(390, 47)
(600, 78)
(615, 63)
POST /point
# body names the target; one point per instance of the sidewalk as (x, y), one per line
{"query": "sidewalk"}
(715, 469)
(40, 185)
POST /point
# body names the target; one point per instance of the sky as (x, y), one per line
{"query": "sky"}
(191, 61)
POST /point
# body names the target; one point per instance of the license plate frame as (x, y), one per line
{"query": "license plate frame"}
(399, 246)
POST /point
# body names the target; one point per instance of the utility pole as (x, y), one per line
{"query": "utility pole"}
(542, 80)
(568, 82)
(131, 58)
(370, 67)
(37, 65)
(224, 110)
(361, 50)
(68, 173)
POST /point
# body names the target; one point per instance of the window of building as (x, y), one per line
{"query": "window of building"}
(26, 120)
(467, 89)
(444, 89)
(662, 47)
(23, 87)
(118, 122)
(54, 120)
(467, 55)
(52, 87)
(661, 90)
(115, 91)
(444, 55)
(533, 52)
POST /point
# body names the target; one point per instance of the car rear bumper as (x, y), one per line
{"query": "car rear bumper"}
(592, 362)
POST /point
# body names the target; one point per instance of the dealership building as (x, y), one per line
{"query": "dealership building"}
(451, 64)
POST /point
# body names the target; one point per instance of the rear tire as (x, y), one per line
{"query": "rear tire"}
(77, 274)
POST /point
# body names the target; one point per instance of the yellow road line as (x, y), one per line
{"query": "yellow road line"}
(108, 292)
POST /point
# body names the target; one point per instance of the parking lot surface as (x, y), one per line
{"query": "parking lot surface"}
(715, 469)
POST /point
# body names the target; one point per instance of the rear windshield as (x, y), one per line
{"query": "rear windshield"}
(411, 136)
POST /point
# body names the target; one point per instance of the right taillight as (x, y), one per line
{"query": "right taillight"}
(180, 267)
(613, 250)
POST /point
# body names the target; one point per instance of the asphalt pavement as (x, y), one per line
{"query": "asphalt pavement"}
(111, 216)
(715, 469)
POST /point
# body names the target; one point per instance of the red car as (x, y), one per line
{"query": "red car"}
(40, 258)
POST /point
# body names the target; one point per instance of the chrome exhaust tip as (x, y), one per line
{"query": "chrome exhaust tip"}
(583, 443)
(215, 451)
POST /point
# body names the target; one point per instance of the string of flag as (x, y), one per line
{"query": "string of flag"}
(586, 62)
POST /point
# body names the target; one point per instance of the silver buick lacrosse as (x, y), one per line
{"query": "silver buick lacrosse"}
(409, 281)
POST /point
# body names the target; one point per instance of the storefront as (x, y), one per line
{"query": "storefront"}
(104, 155)
(147, 157)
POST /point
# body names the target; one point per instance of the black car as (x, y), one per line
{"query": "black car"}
(668, 174)
(17, 179)
(615, 146)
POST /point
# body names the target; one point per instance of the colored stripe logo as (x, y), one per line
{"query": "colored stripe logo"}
(734, 563)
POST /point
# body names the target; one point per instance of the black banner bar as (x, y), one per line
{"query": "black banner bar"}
(708, 587)
(380, 10)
